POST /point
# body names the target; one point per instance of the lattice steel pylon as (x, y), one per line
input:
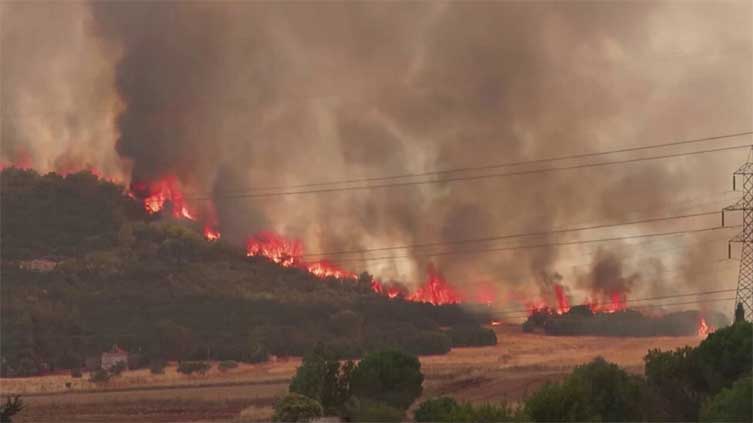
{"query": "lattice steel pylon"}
(745, 237)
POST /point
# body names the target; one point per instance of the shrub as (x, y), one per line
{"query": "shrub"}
(447, 410)
(390, 377)
(100, 376)
(296, 408)
(76, 372)
(257, 353)
(191, 367)
(118, 368)
(731, 404)
(157, 366)
(227, 365)
(472, 336)
(365, 410)
(436, 410)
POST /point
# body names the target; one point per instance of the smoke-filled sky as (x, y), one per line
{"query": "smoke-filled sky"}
(233, 96)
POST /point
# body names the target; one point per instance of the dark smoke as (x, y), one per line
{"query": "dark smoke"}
(229, 96)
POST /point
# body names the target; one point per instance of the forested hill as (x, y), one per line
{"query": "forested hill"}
(83, 268)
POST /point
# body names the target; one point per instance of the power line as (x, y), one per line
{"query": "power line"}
(509, 236)
(465, 178)
(522, 247)
(501, 165)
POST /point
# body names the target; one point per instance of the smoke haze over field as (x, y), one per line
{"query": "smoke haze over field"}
(230, 96)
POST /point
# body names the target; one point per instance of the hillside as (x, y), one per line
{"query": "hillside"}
(84, 267)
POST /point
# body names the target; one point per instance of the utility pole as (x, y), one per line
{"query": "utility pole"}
(745, 278)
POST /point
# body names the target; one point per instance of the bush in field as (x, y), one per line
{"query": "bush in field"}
(157, 366)
(365, 410)
(390, 377)
(733, 404)
(296, 408)
(191, 367)
(118, 368)
(436, 410)
(227, 365)
(472, 336)
(100, 376)
(447, 410)
(596, 391)
(76, 372)
(257, 353)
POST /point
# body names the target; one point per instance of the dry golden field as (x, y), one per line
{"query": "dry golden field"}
(507, 371)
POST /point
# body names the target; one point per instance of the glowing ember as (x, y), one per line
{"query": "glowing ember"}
(435, 290)
(211, 234)
(704, 329)
(495, 323)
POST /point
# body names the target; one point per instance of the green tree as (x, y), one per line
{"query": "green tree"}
(323, 378)
(733, 404)
(391, 377)
(686, 377)
(596, 391)
(296, 408)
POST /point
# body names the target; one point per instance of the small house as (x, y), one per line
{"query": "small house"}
(114, 356)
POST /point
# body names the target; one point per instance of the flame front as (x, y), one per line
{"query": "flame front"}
(435, 291)
(704, 329)
(155, 194)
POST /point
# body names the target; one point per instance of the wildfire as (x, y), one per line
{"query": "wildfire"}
(435, 290)
(155, 194)
(276, 248)
(563, 306)
(211, 234)
(617, 302)
(325, 269)
(703, 328)
(542, 306)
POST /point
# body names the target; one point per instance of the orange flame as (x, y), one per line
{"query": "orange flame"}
(211, 234)
(156, 194)
(435, 291)
(276, 248)
(703, 328)
(617, 302)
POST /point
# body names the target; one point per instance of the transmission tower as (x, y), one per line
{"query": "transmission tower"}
(745, 237)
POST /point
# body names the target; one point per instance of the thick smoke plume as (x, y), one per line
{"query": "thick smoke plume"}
(229, 96)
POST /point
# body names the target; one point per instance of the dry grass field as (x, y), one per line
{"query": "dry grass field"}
(508, 371)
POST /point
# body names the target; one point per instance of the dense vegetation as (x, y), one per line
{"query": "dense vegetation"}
(711, 382)
(380, 387)
(580, 320)
(154, 286)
